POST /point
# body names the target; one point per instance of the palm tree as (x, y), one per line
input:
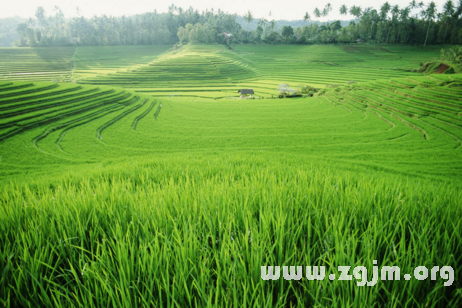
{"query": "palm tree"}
(343, 10)
(262, 22)
(413, 5)
(307, 17)
(272, 24)
(395, 10)
(327, 9)
(384, 10)
(374, 19)
(248, 17)
(429, 13)
(403, 18)
(317, 13)
(394, 18)
(447, 16)
(356, 11)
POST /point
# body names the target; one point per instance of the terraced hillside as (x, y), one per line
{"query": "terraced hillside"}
(32, 112)
(68, 63)
(430, 105)
(373, 124)
(205, 71)
(40, 64)
(211, 71)
(149, 184)
(90, 61)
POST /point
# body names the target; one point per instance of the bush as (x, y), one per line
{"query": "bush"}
(302, 40)
(449, 71)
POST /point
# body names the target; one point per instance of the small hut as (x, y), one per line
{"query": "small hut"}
(243, 92)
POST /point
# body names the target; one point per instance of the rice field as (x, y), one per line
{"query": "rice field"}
(40, 64)
(148, 183)
(212, 71)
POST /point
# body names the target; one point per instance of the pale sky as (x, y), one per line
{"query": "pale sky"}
(288, 9)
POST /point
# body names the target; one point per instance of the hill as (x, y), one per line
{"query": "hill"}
(147, 181)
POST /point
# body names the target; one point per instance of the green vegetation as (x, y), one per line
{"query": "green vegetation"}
(90, 61)
(194, 230)
(212, 71)
(453, 53)
(412, 24)
(150, 183)
(36, 63)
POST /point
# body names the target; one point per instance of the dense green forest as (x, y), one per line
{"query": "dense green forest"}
(417, 23)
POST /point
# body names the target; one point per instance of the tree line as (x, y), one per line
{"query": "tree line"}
(416, 23)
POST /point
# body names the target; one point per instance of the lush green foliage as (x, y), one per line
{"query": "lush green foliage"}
(386, 24)
(110, 197)
(194, 230)
(453, 53)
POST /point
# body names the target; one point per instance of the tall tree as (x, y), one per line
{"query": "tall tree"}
(287, 31)
(356, 11)
(390, 23)
(40, 15)
(262, 22)
(374, 19)
(307, 17)
(448, 12)
(403, 19)
(384, 10)
(429, 14)
(248, 17)
(317, 13)
(327, 9)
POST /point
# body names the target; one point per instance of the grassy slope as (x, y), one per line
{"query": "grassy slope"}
(90, 61)
(40, 64)
(191, 203)
(211, 71)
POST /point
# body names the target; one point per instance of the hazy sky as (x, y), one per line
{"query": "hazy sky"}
(288, 9)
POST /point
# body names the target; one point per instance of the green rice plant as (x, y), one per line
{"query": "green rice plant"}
(22, 104)
(65, 88)
(117, 253)
(125, 113)
(8, 86)
(38, 64)
(158, 110)
(7, 94)
(183, 210)
(145, 113)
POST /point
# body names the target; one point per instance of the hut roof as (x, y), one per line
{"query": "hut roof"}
(246, 91)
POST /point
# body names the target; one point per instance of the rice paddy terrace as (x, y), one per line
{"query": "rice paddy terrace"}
(216, 72)
(383, 116)
(36, 63)
(153, 142)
